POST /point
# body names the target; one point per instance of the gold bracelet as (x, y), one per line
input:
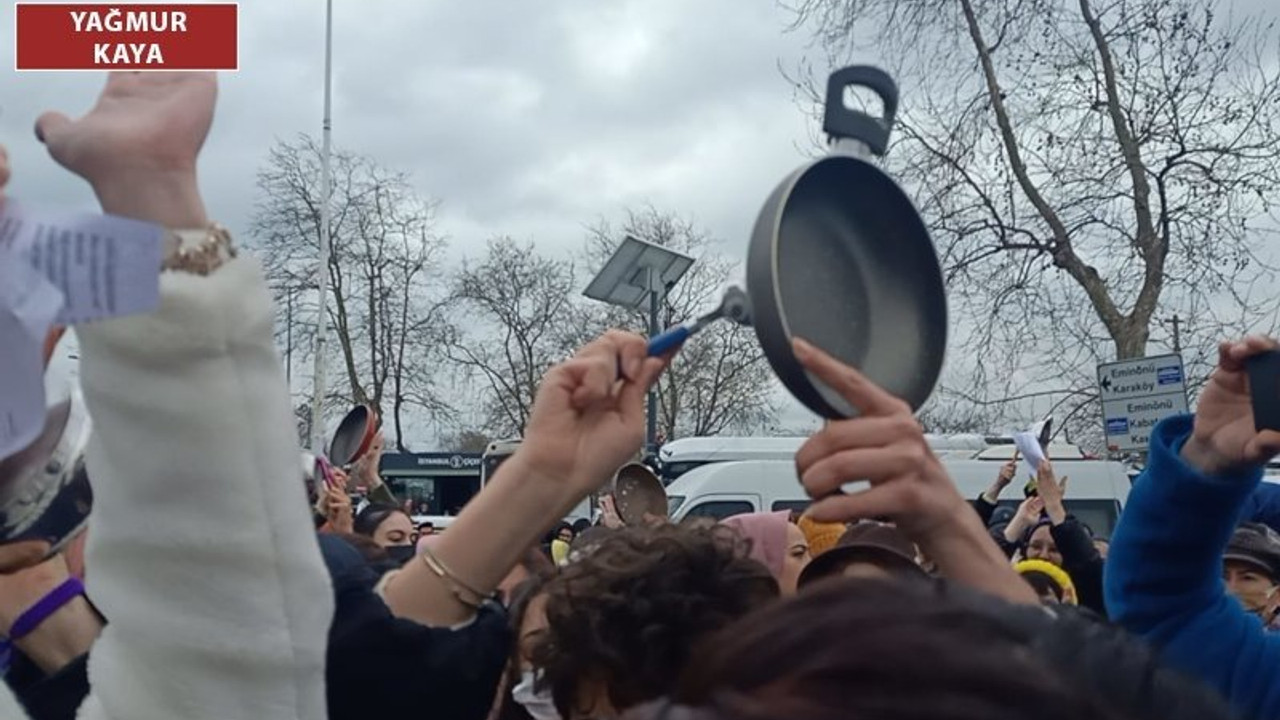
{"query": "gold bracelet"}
(456, 586)
(198, 252)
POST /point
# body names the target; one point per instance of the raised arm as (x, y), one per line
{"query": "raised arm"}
(886, 446)
(203, 554)
(1163, 577)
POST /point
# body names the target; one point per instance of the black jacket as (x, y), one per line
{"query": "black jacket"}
(381, 666)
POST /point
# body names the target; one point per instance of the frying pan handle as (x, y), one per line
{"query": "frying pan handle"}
(665, 342)
(840, 122)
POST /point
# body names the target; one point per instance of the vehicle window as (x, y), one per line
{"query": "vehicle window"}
(720, 509)
(673, 503)
(792, 505)
(673, 470)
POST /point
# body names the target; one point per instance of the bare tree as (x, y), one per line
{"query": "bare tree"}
(1095, 173)
(517, 313)
(384, 311)
(468, 441)
(719, 381)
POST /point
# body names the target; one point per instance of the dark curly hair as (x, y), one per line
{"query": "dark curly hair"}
(629, 614)
(923, 651)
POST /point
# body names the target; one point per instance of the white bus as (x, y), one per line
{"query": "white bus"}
(498, 451)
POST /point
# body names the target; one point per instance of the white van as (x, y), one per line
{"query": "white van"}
(1096, 491)
(680, 456)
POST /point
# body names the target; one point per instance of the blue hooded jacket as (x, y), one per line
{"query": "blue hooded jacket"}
(1163, 577)
(1263, 505)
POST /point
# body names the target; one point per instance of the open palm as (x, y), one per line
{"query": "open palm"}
(149, 122)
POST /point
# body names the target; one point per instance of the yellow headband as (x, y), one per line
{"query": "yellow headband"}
(1055, 573)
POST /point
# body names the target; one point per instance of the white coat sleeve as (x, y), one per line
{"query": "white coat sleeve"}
(202, 554)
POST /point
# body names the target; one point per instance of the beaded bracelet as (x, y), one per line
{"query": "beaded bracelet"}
(46, 606)
(456, 586)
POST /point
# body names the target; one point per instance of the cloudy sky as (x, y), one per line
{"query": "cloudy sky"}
(526, 119)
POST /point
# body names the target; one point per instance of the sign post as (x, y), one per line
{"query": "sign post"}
(1137, 394)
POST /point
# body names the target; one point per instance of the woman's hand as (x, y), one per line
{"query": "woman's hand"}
(1028, 515)
(1224, 438)
(609, 516)
(61, 637)
(1007, 472)
(137, 147)
(369, 464)
(886, 446)
(588, 417)
(1052, 491)
(337, 510)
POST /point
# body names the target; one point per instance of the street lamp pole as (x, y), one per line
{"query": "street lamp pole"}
(322, 269)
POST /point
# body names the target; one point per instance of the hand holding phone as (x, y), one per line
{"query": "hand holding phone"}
(1264, 390)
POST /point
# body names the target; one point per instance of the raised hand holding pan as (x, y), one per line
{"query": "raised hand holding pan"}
(884, 445)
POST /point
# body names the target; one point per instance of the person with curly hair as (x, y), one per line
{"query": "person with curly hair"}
(622, 621)
(863, 648)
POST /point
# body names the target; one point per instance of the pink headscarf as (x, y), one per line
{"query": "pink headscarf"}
(768, 535)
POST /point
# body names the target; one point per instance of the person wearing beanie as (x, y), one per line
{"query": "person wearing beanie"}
(1251, 570)
(821, 536)
(868, 549)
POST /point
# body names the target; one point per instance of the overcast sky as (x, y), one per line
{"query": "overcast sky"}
(526, 119)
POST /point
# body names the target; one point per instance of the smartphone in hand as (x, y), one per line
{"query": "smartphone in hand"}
(1264, 389)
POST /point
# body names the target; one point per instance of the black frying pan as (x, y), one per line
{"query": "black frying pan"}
(840, 257)
(354, 436)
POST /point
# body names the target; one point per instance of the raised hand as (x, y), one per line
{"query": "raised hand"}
(588, 416)
(609, 513)
(1052, 491)
(1224, 438)
(138, 145)
(371, 463)
(1007, 472)
(885, 445)
(338, 511)
(1028, 515)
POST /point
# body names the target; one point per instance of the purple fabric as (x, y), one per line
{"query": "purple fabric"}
(46, 606)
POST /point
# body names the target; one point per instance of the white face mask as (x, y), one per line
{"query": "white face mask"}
(538, 703)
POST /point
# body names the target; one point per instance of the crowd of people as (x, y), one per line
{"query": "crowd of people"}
(209, 586)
